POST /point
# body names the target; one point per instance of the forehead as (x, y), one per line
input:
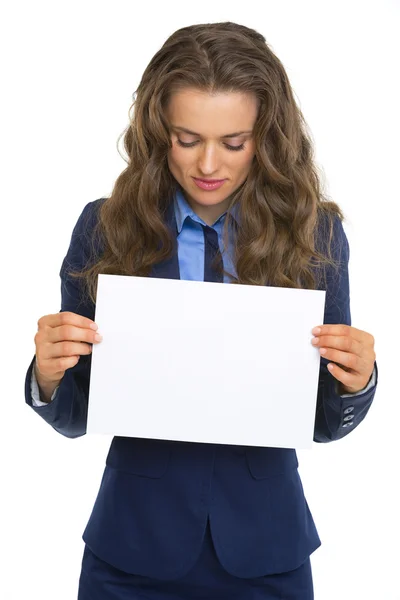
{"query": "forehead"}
(213, 115)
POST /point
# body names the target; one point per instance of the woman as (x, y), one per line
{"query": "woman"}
(189, 520)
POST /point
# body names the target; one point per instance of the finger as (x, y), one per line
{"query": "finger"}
(66, 318)
(347, 378)
(65, 348)
(346, 359)
(342, 330)
(55, 368)
(71, 333)
(343, 342)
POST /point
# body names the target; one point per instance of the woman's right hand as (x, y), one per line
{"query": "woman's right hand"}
(60, 340)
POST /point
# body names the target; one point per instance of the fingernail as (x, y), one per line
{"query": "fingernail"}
(98, 337)
(316, 330)
(94, 326)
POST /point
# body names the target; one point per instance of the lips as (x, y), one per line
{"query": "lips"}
(209, 185)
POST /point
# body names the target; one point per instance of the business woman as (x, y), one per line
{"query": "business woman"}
(220, 186)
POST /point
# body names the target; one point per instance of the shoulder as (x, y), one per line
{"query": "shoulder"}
(83, 230)
(89, 215)
(84, 246)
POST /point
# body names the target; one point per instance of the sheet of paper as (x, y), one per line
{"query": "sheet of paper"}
(205, 362)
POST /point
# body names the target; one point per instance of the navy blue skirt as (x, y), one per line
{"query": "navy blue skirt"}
(207, 579)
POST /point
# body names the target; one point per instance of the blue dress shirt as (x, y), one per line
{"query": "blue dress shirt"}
(191, 241)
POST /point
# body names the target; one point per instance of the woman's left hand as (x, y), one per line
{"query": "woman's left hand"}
(353, 351)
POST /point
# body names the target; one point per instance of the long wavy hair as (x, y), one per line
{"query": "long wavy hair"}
(281, 204)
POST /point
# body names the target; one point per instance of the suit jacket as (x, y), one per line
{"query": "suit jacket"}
(155, 496)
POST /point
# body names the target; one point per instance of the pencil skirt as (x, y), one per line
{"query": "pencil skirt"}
(207, 579)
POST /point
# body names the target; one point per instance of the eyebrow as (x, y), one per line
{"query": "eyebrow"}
(228, 135)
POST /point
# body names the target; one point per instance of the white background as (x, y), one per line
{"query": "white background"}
(68, 74)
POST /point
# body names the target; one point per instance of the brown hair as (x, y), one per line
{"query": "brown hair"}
(281, 204)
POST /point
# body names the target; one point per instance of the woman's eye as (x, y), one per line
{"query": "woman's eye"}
(191, 144)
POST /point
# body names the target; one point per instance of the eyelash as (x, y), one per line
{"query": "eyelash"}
(232, 148)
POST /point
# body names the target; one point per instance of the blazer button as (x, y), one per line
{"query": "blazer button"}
(349, 418)
(347, 424)
(348, 410)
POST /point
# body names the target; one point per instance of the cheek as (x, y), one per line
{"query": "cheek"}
(245, 160)
(179, 159)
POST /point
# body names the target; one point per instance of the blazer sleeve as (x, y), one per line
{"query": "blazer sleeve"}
(67, 412)
(336, 415)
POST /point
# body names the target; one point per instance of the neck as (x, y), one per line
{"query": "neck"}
(209, 214)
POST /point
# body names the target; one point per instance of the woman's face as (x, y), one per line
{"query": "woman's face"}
(209, 156)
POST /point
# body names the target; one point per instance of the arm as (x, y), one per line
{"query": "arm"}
(67, 410)
(339, 414)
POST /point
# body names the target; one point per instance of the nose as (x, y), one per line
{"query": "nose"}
(209, 161)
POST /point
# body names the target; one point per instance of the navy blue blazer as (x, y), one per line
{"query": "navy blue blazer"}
(155, 496)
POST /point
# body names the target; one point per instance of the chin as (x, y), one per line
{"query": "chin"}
(207, 199)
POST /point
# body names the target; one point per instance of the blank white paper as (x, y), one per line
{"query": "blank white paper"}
(205, 362)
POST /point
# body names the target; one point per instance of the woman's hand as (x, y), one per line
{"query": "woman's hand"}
(60, 340)
(353, 352)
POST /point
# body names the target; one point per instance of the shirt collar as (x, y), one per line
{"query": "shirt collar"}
(183, 210)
